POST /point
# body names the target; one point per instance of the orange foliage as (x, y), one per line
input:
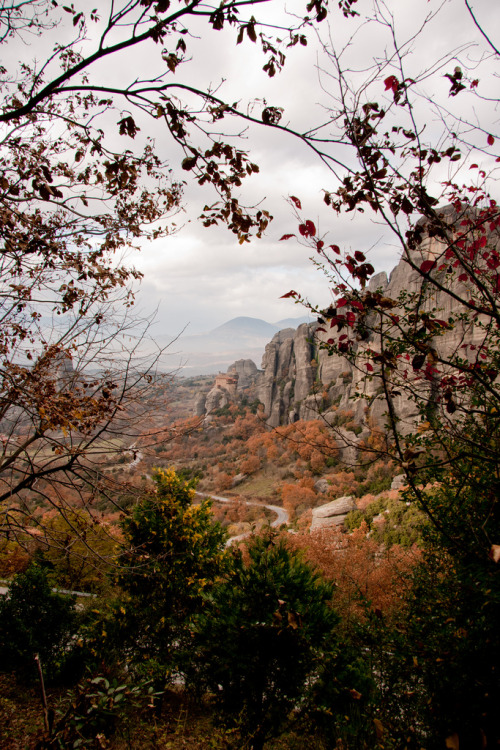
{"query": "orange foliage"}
(342, 483)
(13, 558)
(250, 465)
(309, 441)
(365, 573)
(294, 495)
(246, 426)
(223, 481)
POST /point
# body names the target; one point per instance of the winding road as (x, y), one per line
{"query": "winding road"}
(282, 515)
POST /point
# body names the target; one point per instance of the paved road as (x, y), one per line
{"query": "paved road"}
(4, 590)
(282, 515)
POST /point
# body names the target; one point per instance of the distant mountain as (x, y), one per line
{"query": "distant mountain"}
(293, 322)
(247, 327)
(214, 351)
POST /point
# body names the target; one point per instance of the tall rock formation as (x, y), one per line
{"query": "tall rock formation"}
(303, 381)
(242, 375)
(295, 375)
(246, 371)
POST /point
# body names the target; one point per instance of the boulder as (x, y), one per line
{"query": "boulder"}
(347, 443)
(238, 479)
(332, 514)
(247, 372)
(217, 398)
(398, 482)
(199, 404)
(321, 486)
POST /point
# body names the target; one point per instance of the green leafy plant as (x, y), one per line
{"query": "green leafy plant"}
(35, 621)
(266, 644)
(389, 521)
(174, 552)
(91, 713)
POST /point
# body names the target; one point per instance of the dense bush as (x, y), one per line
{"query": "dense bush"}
(35, 621)
(174, 551)
(266, 646)
(389, 522)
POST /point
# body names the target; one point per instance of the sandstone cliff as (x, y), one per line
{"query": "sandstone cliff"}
(299, 380)
(302, 381)
(243, 372)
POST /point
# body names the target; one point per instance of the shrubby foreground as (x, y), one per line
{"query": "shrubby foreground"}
(261, 642)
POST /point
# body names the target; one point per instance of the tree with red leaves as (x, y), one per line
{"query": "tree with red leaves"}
(433, 345)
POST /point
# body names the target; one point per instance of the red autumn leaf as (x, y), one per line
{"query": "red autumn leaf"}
(286, 237)
(451, 406)
(358, 305)
(491, 140)
(307, 229)
(369, 367)
(359, 256)
(311, 229)
(320, 245)
(427, 266)
(289, 294)
(336, 249)
(350, 318)
(296, 201)
(369, 268)
(341, 302)
(391, 83)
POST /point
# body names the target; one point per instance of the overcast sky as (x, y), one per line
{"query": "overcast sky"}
(201, 277)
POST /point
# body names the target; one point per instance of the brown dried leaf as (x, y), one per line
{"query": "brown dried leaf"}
(494, 553)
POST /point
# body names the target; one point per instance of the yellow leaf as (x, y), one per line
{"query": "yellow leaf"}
(379, 728)
(453, 742)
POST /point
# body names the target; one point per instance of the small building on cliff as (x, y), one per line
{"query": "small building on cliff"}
(227, 381)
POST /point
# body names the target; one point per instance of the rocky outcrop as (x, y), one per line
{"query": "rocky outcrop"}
(288, 374)
(301, 380)
(321, 486)
(217, 398)
(399, 482)
(199, 404)
(332, 514)
(276, 364)
(247, 372)
(241, 377)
